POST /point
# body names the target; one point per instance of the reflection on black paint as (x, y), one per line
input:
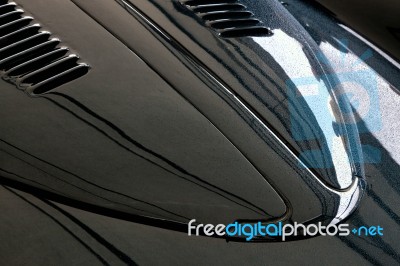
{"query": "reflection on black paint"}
(85, 245)
(219, 191)
(82, 179)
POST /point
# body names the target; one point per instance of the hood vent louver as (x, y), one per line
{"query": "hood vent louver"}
(229, 18)
(29, 57)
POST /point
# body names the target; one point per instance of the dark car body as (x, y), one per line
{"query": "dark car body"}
(148, 114)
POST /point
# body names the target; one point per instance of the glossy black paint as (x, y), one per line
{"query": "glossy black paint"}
(380, 23)
(87, 139)
(148, 145)
(174, 178)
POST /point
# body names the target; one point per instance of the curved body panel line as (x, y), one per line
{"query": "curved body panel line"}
(184, 124)
(349, 197)
(221, 111)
